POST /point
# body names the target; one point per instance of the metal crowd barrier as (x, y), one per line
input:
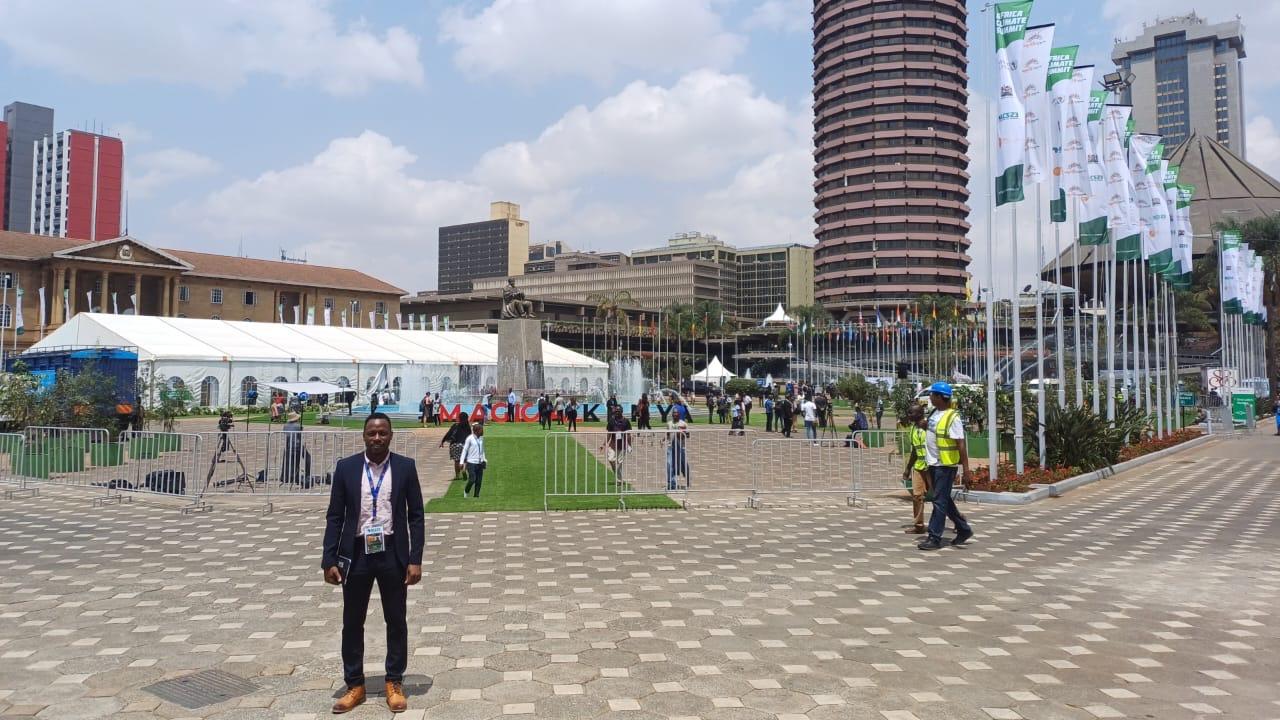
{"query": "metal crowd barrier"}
(646, 462)
(870, 461)
(151, 463)
(12, 466)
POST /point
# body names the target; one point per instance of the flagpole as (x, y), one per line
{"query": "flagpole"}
(1146, 346)
(1097, 400)
(1075, 282)
(1156, 312)
(1124, 330)
(1040, 330)
(1060, 319)
(1173, 312)
(1111, 330)
(993, 438)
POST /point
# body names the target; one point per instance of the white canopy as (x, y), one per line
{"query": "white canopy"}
(715, 372)
(314, 387)
(779, 316)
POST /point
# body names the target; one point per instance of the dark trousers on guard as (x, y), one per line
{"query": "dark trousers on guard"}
(385, 569)
(944, 507)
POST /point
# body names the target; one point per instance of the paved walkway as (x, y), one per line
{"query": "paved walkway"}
(1150, 595)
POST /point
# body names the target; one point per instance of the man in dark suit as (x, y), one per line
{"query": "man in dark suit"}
(374, 533)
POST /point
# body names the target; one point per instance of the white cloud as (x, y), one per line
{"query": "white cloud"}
(703, 125)
(533, 40)
(212, 44)
(1262, 142)
(151, 171)
(786, 15)
(131, 133)
(355, 204)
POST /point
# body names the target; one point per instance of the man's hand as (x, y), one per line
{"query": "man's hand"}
(333, 575)
(413, 575)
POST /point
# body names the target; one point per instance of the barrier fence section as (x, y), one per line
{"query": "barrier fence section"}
(11, 446)
(869, 461)
(643, 462)
(148, 462)
(61, 456)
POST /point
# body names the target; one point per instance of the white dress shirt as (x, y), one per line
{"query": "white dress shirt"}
(473, 450)
(385, 518)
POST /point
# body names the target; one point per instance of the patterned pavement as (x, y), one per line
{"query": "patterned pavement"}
(1150, 595)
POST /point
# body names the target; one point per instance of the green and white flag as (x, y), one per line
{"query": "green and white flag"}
(1157, 239)
(1171, 172)
(1058, 84)
(19, 328)
(1183, 238)
(1011, 126)
(1244, 280)
(1091, 207)
(1122, 214)
(1256, 281)
(1032, 70)
(1230, 288)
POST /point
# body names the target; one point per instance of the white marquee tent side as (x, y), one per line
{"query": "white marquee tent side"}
(219, 360)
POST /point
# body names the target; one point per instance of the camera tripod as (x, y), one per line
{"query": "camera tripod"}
(224, 445)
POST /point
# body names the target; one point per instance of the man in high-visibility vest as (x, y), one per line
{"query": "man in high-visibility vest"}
(946, 454)
(918, 464)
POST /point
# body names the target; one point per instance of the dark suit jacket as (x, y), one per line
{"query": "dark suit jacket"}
(343, 517)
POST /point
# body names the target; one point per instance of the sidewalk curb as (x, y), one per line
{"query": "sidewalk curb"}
(1040, 492)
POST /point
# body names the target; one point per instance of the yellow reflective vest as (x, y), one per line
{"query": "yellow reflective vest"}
(948, 448)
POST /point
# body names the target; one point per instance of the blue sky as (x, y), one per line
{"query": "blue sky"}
(350, 131)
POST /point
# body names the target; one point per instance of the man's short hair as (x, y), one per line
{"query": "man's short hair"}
(377, 416)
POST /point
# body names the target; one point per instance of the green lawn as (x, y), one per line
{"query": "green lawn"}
(514, 478)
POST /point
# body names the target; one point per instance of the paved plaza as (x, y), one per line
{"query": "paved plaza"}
(1150, 595)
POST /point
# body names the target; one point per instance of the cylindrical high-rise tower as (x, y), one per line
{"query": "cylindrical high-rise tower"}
(890, 148)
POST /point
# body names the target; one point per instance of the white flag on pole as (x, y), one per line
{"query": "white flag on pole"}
(1011, 127)
(115, 302)
(435, 323)
(66, 305)
(1033, 71)
(410, 321)
(89, 295)
(42, 318)
(398, 321)
(311, 315)
(1122, 217)
(1058, 83)
(372, 324)
(297, 315)
(344, 318)
(19, 327)
(1230, 289)
(328, 316)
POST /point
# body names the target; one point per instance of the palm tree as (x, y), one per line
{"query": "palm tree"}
(611, 307)
(678, 322)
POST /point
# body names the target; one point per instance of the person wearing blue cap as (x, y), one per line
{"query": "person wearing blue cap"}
(946, 454)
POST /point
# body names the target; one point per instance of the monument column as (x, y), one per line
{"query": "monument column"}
(71, 291)
(59, 282)
(136, 300)
(168, 283)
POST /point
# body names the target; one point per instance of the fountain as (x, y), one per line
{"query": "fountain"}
(626, 379)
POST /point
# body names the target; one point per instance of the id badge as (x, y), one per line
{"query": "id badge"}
(374, 540)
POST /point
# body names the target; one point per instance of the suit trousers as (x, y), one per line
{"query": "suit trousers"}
(385, 569)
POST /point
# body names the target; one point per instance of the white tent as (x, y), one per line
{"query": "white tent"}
(714, 372)
(218, 360)
(779, 316)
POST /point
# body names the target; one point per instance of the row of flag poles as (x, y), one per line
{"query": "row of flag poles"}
(1113, 192)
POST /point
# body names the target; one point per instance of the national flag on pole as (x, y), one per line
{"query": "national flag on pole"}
(1032, 71)
(1011, 128)
(42, 318)
(19, 328)
(1062, 123)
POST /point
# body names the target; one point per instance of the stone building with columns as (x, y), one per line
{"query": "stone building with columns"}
(126, 276)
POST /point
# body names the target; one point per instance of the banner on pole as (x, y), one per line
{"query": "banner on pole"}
(1033, 69)
(1122, 212)
(1061, 64)
(1230, 288)
(1011, 128)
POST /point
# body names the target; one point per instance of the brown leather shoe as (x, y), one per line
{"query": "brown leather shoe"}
(350, 700)
(395, 697)
(918, 530)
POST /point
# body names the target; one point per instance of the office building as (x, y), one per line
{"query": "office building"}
(127, 276)
(773, 275)
(574, 260)
(4, 171)
(78, 182)
(891, 150)
(547, 250)
(1187, 78)
(651, 286)
(497, 246)
(27, 124)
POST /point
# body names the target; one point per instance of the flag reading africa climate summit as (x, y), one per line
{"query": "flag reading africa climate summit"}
(1011, 129)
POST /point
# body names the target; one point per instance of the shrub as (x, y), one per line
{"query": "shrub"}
(741, 386)
(1151, 445)
(1011, 481)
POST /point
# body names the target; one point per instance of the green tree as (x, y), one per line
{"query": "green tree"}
(971, 403)
(741, 386)
(858, 390)
(611, 307)
(901, 398)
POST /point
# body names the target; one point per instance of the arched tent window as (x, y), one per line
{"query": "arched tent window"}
(209, 391)
(582, 386)
(248, 383)
(343, 382)
(313, 378)
(176, 383)
(281, 379)
(564, 385)
(395, 390)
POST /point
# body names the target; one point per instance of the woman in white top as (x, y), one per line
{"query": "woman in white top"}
(474, 460)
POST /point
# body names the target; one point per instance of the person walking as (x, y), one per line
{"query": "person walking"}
(711, 407)
(917, 470)
(746, 409)
(571, 413)
(809, 409)
(947, 456)
(474, 460)
(438, 409)
(374, 534)
(879, 412)
(735, 428)
(512, 409)
(373, 402)
(768, 413)
(642, 413)
(617, 441)
(677, 455)
(786, 415)
(544, 412)
(558, 409)
(423, 404)
(456, 435)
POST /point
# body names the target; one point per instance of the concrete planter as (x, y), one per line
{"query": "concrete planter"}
(1040, 492)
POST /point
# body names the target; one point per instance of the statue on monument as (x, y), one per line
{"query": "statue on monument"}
(514, 304)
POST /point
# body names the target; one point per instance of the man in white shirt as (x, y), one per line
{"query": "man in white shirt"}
(474, 460)
(810, 410)
(512, 411)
